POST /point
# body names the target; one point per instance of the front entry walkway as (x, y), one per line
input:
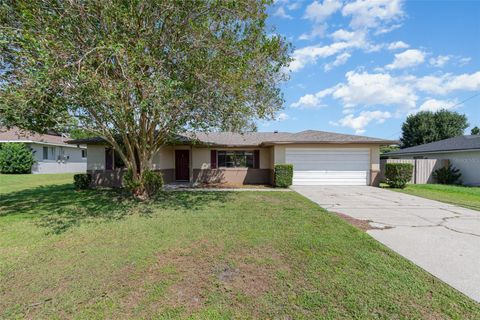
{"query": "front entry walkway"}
(441, 238)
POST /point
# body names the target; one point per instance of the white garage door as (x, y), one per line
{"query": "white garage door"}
(337, 166)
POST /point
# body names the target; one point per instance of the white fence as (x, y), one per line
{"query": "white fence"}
(422, 168)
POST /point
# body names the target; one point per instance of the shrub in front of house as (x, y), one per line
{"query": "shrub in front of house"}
(152, 182)
(447, 175)
(283, 175)
(82, 181)
(16, 158)
(397, 175)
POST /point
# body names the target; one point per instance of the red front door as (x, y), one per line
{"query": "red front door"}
(182, 167)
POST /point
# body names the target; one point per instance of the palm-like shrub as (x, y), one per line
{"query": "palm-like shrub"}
(447, 175)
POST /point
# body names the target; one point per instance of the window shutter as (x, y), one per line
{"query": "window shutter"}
(256, 159)
(213, 159)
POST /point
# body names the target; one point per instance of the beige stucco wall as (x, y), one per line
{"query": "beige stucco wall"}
(279, 151)
(200, 157)
(164, 159)
(95, 157)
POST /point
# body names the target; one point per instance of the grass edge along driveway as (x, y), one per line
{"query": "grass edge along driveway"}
(468, 197)
(201, 255)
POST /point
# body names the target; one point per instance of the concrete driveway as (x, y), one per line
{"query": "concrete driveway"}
(441, 238)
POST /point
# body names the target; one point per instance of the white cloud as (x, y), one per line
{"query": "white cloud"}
(374, 89)
(387, 29)
(384, 90)
(281, 13)
(397, 45)
(464, 61)
(372, 14)
(339, 60)
(435, 105)
(439, 61)
(447, 83)
(343, 35)
(282, 116)
(312, 100)
(408, 58)
(317, 31)
(310, 54)
(294, 6)
(361, 121)
(319, 12)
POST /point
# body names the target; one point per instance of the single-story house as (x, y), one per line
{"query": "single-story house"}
(318, 158)
(463, 152)
(51, 152)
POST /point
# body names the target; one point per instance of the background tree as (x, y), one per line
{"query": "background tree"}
(426, 126)
(80, 133)
(475, 130)
(390, 148)
(138, 72)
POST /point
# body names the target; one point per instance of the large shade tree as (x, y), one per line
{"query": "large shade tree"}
(426, 126)
(137, 72)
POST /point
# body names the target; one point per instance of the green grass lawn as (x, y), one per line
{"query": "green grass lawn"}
(468, 197)
(199, 255)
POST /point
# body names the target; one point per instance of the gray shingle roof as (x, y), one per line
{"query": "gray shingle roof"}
(314, 136)
(262, 138)
(453, 144)
(15, 134)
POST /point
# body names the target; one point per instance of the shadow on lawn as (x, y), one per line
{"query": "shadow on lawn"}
(60, 207)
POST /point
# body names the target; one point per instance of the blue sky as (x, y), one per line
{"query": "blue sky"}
(362, 66)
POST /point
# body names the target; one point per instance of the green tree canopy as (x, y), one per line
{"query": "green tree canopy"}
(426, 126)
(475, 130)
(138, 72)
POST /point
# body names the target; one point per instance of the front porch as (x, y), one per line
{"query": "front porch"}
(191, 165)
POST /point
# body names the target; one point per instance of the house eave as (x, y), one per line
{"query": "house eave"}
(66, 145)
(272, 143)
(430, 152)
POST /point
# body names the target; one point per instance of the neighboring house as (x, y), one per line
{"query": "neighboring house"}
(463, 153)
(50, 151)
(318, 158)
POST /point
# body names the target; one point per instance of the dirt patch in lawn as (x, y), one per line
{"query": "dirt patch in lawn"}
(360, 224)
(195, 273)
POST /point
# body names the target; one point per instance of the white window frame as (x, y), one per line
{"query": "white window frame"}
(246, 167)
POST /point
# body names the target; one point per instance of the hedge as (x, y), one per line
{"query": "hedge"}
(82, 181)
(283, 175)
(397, 175)
(16, 158)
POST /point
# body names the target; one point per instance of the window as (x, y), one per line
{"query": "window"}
(84, 153)
(49, 153)
(235, 159)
